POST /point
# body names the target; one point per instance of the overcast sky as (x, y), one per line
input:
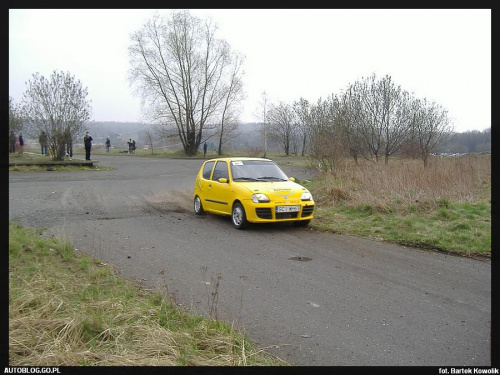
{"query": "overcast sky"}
(442, 55)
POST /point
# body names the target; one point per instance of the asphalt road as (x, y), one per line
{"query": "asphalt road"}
(308, 297)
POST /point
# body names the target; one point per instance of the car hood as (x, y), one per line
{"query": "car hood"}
(274, 189)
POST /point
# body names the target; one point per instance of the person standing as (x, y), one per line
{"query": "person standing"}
(133, 146)
(87, 140)
(42, 139)
(129, 145)
(12, 139)
(21, 144)
(108, 144)
(204, 149)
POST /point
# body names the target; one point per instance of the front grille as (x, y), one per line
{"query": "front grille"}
(307, 211)
(286, 215)
(267, 213)
(264, 213)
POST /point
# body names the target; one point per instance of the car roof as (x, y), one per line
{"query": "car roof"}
(240, 158)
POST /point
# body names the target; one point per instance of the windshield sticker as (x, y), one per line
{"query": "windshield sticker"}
(237, 163)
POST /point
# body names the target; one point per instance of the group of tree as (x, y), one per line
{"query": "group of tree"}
(469, 141)
(191, 87)
(373, 118)
(190, 83)
(57, 106)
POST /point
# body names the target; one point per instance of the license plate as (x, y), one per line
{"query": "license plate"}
(287, 208)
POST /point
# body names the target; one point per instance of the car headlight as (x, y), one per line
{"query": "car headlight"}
(306, 196)
(259, 198)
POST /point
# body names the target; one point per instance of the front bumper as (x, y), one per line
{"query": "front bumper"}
(266, 212)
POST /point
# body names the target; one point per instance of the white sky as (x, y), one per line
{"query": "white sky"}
(439, 54)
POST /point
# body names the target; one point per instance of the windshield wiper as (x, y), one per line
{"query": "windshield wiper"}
(244, 179)
(271, 178)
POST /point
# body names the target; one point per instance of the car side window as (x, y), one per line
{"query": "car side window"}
(220, 171)
(207, 169)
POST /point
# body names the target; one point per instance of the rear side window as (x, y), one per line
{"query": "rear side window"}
(220, 171)
(207, 169)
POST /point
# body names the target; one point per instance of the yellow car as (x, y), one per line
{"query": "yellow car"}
(251, 190)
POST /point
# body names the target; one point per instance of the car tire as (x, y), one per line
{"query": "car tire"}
(198, 207)
(238, 216)
(301, 223)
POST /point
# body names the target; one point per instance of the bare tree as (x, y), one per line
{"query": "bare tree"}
(348, 116)
(262, 114)
(281, 126)
(15, 119)
(302, 110)
(228, 130)
(179, 68)
(383, 113)
(58, 106)
(230, 105)
(397, 116)
(431, 127)
(367, 111)
(327, 135)
(149, 132)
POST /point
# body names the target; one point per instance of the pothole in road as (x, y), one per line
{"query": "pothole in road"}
(300, 259)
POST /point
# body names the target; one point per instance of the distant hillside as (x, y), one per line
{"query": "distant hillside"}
(108, 128)
(118, 132)
(249, 137)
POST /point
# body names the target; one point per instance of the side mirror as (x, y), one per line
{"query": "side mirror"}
(291, 179)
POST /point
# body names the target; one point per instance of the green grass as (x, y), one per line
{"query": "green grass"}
(459, 228)
(67, 309)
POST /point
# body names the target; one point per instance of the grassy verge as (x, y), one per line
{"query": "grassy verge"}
(38, 163)
(445, 207)
(67, 309)
(462, 229)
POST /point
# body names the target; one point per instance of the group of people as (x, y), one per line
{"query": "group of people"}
(14, 140)
(66, 142)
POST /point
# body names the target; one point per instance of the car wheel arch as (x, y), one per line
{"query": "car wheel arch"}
(240, 221)
(198, 205)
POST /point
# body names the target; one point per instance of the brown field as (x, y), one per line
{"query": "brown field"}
(459, 179)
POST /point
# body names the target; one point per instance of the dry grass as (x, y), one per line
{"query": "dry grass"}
(68, 309)
(459, 179)
(444, 207)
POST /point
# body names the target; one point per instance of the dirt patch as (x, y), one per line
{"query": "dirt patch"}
(170, 201)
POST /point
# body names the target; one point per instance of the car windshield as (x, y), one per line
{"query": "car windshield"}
(256, 170)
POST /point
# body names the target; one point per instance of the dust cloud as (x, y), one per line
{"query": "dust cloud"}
(171, 201)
